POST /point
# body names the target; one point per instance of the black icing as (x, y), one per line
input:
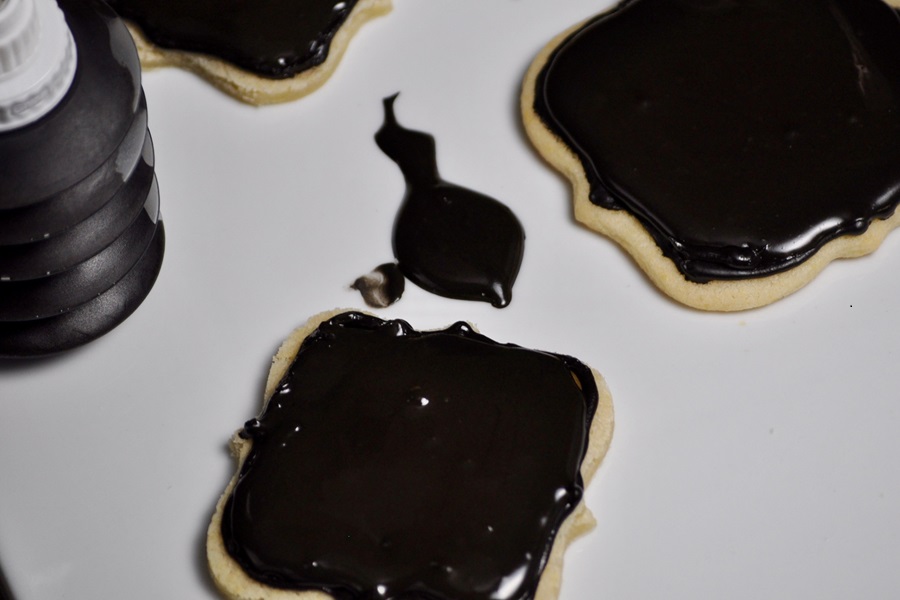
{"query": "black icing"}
(272, 38)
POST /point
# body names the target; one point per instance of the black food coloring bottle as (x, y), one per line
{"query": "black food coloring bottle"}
(81, 240)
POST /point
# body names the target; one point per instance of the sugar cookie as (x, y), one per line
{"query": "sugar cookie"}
(394, 463)
(732, 148)
(261, 52)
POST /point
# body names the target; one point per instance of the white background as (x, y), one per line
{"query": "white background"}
(755, 454)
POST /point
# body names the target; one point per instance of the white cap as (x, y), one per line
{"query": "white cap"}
(37, 60)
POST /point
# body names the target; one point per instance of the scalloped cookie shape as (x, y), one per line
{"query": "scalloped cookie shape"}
(732, 147)
(260, 52)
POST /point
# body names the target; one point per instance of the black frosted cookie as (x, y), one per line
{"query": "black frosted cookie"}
(732, 148)
(261, 52)
(448, 239)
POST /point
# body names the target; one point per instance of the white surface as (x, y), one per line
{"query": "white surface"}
(755, 454)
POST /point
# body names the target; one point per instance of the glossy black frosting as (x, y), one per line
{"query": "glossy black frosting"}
(449, 240)
(272, 38)
(743, 134)
(391, 463)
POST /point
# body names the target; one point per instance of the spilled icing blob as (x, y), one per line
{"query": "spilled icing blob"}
(392, 463)
(449, 240)
(742, 134)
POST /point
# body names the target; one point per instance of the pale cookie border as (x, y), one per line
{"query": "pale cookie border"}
(627, 231)
(249, 87)
(235, 584)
